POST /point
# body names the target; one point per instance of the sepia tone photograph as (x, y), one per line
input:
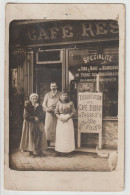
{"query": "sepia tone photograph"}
(63, 90)
(63, 100)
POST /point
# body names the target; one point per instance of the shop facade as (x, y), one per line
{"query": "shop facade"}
(80, 56)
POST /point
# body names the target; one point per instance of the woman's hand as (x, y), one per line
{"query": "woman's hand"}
(65, 119)
(49, 109)
(36, 119)
(62, 119)
(69, 117)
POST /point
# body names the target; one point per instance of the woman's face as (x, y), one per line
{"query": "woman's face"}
(34, 100)
(64, 96)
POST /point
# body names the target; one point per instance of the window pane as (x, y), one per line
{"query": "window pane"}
(44, 56)
(85, 65)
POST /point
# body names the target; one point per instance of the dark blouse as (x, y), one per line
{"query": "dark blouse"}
(30, 112)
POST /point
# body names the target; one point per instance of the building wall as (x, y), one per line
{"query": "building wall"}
(110, 134)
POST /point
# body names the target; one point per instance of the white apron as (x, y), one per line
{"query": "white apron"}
(65, 141)
(50, 119)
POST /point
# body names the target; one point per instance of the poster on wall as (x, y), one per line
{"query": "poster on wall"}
(64, 113)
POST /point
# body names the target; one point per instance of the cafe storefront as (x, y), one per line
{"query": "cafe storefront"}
(79, 55)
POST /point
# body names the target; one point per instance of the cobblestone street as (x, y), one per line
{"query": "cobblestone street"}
(80, 161)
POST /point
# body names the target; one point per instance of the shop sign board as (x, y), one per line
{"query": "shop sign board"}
(90, 114)
(33, 33)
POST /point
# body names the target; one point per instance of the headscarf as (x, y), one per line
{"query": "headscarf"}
(32, 95)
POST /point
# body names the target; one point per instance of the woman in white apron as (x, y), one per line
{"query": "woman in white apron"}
(65, 142)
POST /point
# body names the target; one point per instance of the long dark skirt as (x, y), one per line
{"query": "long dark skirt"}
(33, 137)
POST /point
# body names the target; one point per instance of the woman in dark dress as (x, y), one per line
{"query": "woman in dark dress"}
(33, 133)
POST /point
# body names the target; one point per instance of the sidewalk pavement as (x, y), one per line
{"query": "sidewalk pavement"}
(81, 160)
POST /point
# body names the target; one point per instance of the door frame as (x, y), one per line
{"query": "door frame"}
(62, 61)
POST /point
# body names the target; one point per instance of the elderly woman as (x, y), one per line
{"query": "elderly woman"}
(33, 133)
(65, 142)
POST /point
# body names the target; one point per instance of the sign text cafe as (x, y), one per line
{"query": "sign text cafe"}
(62, 32)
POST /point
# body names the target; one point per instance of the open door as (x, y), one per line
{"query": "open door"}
(50, 67)
(46, 74)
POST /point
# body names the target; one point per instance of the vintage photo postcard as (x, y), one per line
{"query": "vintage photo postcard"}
(64, 97)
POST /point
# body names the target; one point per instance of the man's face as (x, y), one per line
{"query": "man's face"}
(53, 87)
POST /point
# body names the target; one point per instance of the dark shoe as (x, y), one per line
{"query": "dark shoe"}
(30, 153)
(69, 156)
(42, 154)
(64, 154)
(33, 155)
(56, 154)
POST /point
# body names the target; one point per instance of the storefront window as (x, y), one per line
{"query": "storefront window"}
(90, 66)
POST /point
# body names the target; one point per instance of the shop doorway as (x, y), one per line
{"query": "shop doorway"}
(48, 73)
